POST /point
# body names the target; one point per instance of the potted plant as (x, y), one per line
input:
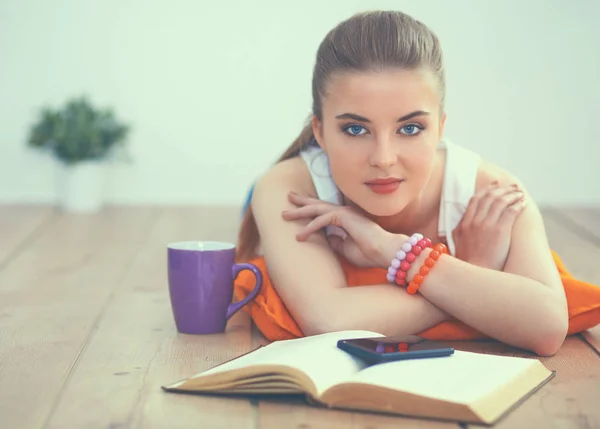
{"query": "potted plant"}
(82, 138)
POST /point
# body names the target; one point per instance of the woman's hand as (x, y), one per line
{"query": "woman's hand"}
(366, 244)
(483, 235)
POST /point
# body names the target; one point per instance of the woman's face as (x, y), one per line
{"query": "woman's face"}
(380, 132)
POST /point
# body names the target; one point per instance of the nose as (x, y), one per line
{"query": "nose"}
(383, 155)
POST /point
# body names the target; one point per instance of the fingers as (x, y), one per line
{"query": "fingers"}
(322, 214)
(510, 213)
(494, 202)
(301, 200)
(472, 208)
(309, 211)
(486, 206)
(306, 207)
(501, 204)
(329, 218)
(336, 243)
(485, 201)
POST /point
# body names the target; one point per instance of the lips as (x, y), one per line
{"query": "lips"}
(385, 185)
(384, 181)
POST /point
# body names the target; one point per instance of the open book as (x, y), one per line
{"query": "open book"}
(466, 387)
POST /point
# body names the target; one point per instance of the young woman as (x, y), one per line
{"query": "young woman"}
(370, 170)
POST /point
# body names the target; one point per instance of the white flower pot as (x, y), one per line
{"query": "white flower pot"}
(81, 187)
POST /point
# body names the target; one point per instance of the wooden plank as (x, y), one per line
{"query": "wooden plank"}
(50, 298)
(18, 224)
(274, 415)
(583, 221)
(136, 349)
(587, 222)
(592, 337)
(571, 398)
(580, 255)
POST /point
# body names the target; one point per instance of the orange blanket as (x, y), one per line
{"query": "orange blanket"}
(275, 322)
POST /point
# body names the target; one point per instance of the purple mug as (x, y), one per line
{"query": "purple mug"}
(201, 275)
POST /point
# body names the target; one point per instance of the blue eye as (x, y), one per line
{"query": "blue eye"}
(354, 130)
(411, 129)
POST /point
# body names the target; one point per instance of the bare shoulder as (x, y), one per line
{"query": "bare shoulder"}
(300, 288)
(489, 172)
(291, 174)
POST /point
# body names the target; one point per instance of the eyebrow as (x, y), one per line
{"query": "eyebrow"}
(363, 119)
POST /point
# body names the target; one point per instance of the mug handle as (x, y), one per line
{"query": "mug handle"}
(234, 307)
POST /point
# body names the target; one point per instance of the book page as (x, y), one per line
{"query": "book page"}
(317, 356)
(462, 377)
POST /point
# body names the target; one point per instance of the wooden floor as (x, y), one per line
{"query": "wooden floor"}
(87, 337)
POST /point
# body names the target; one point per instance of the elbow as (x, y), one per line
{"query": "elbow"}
(322, 321)
(318, 326)
(314, 329)
(320, 317)
(553, 326)
(548, 346)
(550, 339)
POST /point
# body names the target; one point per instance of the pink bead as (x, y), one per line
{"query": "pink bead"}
(401, 274)
(404, 266)
(417, 250)
(424, 243)
(411, 258)
(395, 263)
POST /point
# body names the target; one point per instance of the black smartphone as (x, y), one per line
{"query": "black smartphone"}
(388, 349)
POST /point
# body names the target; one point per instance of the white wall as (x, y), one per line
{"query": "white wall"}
(215, 91)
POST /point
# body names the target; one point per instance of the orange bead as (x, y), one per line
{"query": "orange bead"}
(434, 255)
(441, 247)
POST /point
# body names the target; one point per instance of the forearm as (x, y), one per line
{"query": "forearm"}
(384, 308)
(508, 307)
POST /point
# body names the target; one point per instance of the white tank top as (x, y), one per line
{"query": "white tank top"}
(460, 175)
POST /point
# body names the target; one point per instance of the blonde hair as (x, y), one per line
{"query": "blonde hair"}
(367, 41)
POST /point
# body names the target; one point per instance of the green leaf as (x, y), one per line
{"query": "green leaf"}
(77, 131)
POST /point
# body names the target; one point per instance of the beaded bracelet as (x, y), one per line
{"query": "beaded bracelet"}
(410, 258)
(405, 257)
(434, 255)
(401, 256)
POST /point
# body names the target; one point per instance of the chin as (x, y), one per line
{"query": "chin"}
(389, 205)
